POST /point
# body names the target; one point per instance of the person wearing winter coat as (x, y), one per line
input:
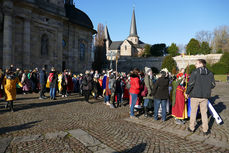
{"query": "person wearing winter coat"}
(148, 81)
(53, 79)
(134, 90)
(25, 82)
(87, 85)
(199, 88)
(119, 90)
(112, 88)
(34, 80)
(43, 81)
(9, 83)
(161, 94)
(64, 83)
(107, 89)
(70, 86)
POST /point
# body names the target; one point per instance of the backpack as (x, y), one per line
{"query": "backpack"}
(50, 77)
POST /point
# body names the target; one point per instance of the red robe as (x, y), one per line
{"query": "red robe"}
(70, 84)
(179, 110)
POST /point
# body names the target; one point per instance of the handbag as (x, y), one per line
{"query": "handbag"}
(144, 92)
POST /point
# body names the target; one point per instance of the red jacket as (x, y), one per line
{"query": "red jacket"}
(134, 84)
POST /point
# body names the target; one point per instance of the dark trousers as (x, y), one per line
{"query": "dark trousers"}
(64, 90)
(42, 92)
(86, 95)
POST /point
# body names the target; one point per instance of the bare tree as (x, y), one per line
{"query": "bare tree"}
(202, 36)
(221, 39)
(99, 49)
(99, 38)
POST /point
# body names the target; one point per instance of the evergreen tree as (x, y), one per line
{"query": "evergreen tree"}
(158, 49)
(205, 48)
(147, 53)
(173, 50)
(169, 63)
(193, 47)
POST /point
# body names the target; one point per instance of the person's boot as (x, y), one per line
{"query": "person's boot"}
(11, 106)
(118, 104)
(145, 112)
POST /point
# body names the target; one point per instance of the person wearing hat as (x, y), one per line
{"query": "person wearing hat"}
(161, 94)
(148, 87)
(9, 83)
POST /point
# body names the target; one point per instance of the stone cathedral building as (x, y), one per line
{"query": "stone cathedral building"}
(34, 33)
(130, 47)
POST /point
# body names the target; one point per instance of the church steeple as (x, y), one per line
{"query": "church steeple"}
(107, 38)
(133, 27)
(106, 33)
(133, 36)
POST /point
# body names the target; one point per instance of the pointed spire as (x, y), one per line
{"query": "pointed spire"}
(106, 33)
(133, 27)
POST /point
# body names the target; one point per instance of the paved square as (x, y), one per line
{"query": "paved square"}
(72, 125)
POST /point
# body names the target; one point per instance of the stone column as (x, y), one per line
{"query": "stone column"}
(7, 34)
(26, 56)
(60, 49)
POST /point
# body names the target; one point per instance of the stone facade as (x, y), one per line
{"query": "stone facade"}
(39, 32)
(183, 61)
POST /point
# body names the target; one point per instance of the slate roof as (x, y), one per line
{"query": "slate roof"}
(78, 17)
(115, 45)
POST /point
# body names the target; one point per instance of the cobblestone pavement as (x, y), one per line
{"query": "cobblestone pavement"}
(43, 125)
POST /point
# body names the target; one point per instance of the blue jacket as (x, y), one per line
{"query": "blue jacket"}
(43, 77)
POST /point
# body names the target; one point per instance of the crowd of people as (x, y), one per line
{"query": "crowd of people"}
(156, 95)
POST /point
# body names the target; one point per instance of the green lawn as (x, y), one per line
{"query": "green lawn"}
(222, 77)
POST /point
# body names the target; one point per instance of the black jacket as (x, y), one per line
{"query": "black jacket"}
(161, 88)
(200, 83)
(43, 77)
(87, 82)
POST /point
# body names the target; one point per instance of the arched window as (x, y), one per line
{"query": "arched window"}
(82, 51)
(125, 47)
(44, 44)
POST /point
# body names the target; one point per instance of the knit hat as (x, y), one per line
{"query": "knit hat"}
(147, 69)
(165, 70)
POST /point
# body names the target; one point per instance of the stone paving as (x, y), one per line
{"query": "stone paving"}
(46, 126)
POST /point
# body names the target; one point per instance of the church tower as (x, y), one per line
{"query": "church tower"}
(107, 38)
(133, 36)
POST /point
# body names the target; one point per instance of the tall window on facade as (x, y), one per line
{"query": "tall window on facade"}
(125, 48)
(44, 45)
(82, 51)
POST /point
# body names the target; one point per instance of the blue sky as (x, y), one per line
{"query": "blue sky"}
(158, 21)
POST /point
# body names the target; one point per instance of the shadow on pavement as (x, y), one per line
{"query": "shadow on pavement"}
(19, 107)
(136, 149)
(45, 104)
(219, 107)
(17, 127)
